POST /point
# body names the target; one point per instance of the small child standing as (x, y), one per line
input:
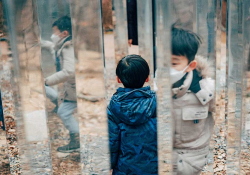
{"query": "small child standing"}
(193, 94)
(132, 120)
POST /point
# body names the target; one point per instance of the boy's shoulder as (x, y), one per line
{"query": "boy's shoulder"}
(206, 94)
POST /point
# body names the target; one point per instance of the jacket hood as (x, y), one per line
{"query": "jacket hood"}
(204, 67)
(133, 106)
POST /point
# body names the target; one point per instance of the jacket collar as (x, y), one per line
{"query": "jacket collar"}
(60, 44)
(182, 90)
(120, 89)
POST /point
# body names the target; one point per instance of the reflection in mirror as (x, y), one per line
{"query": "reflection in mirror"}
(193, 85)
(184, 14)
(145, 36)
(29, 105)
(133, 21)
(4, 52)
(235, 75)
(245, 132)
(163, 62)
(121, 33)
(58, 67)
(90, 83)
(109, 46)
(218, 152)
(187, 44)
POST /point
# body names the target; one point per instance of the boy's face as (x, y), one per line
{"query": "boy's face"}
(57, 32)
(181, 62)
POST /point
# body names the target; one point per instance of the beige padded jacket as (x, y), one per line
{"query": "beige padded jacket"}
(66, 75)
(188, 106)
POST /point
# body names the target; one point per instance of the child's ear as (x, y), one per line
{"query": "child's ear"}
(118, 80)
(65, 33)
(147, 80)
(192, 66)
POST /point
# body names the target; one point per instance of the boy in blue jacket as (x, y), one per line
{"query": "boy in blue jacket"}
(132, 120)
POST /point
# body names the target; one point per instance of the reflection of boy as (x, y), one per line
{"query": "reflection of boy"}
(1, 114)
(132, 120)
(193, 94)
(65, 65)
(5, 53)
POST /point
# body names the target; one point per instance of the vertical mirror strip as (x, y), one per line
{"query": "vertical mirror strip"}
(90, 85)
(163, 53)
(218, 164)
(58, 68)
(11, 100)
(23, 29)
(245, 132)
(5, 123)
(109, 46)
(4, 156)
(121, 30)
(235, 73)
(145, 34)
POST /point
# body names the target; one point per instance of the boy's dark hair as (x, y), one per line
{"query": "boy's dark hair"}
(185, 43)
(133, 71)
(63, 23)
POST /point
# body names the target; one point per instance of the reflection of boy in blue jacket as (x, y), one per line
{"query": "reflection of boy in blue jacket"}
(132, 120)
(1, 114)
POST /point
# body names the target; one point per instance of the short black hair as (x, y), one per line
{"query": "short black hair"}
(185, 43)
(63, 23)
(133, 71)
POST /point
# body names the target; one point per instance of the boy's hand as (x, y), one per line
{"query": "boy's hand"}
(111, 172)
(1, 124)
(46, 44)
(130, 42)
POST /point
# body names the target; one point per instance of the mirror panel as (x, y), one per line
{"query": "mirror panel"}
(245, 132)
(58, 68)
(90, 85)
(163, 60)
(235, 76)
(29, 103)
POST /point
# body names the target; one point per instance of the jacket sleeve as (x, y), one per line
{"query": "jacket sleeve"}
(114, 139)
(132, 18)
(68, 70)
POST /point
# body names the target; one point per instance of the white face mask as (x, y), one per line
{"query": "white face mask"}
(176, 75)
(55, 38)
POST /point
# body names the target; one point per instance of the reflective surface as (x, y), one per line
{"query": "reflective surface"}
(24, 38)
(235, 73)
(216, 161)
(200, 17)
(109, 46)
(91, 93)
(245, 132)
(121, 34)
(163, 60)
(4, 55)
(35, 128)
(58, 68)
(145, 34)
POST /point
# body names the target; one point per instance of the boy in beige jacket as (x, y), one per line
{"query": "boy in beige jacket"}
(193, 94)
(65, 66)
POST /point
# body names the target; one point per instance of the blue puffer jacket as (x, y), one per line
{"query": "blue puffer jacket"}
(1, 111)
(133, 132)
